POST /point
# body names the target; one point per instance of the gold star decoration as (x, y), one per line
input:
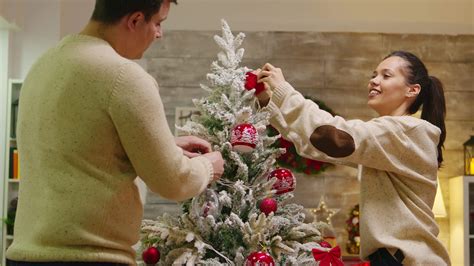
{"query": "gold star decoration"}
(322, 213)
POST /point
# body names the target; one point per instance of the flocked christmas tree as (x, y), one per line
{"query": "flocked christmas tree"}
(242, 218)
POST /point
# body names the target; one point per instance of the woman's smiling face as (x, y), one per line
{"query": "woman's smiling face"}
(388, 88)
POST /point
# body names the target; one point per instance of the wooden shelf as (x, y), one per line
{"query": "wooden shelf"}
(10, 141)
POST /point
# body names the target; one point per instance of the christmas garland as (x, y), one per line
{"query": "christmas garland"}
(353, 242)
(291, 159)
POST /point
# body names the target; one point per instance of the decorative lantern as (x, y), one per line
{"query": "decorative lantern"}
(469, 156)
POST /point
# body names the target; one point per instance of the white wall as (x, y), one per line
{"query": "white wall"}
(44, 22)
(39, 30)
(74, 15)
(388, 16)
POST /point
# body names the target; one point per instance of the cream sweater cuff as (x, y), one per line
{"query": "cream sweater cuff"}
(280, 92)
(276, 100)
(210, 170)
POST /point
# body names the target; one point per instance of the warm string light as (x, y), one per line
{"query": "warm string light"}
(322, 213)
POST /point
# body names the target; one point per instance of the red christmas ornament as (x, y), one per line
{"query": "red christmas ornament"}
(325, 244)
(285, 182)
(244, 137)
(268, 205)
(259, 258)
(251, 83)
(151, 255)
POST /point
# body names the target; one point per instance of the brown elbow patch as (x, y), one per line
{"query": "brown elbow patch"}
(332, 141)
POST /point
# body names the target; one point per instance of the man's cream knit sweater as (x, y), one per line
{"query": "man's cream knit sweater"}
(399, 159)
(90, 122)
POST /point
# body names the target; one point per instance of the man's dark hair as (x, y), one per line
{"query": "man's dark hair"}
(111, 11)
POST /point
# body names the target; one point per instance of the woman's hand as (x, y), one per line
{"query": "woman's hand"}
(265, 95)
(272, 76)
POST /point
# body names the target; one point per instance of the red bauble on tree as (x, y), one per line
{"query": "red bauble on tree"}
(251, 83)
(285, 180)
(151, 255)
(259, 258)
(325, 244)
(268, 205)
(244, 137)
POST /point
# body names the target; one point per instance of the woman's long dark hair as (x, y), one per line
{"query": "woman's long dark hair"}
(431, 97)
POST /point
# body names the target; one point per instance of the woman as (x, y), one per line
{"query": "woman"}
(400, 154)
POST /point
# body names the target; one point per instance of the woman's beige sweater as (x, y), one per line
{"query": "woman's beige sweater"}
(399, 179)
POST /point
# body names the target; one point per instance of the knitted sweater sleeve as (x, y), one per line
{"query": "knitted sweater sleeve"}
(393, 144)
(139, 117)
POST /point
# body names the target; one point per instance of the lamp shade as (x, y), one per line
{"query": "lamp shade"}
(439, 209)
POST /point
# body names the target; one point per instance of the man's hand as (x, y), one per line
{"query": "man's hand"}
(193, 146)
(217, 163)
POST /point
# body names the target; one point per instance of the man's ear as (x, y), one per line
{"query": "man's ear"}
(413, 90)
(135, 19)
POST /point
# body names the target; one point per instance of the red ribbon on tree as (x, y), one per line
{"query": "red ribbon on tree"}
(328, 257)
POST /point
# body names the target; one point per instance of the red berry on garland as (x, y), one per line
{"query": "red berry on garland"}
(285, 182)
(244, 137)
(259, 258)
(268, 205)
(151, 255)
(251, 83)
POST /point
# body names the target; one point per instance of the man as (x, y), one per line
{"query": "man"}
(90, 121)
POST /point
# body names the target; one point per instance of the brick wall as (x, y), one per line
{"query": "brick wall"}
(335, 68)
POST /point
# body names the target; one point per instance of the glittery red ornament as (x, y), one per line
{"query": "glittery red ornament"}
(151, 255)
(251, 83)
(285, 182)
(268, 205)
(259, 258)
(244, 137)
